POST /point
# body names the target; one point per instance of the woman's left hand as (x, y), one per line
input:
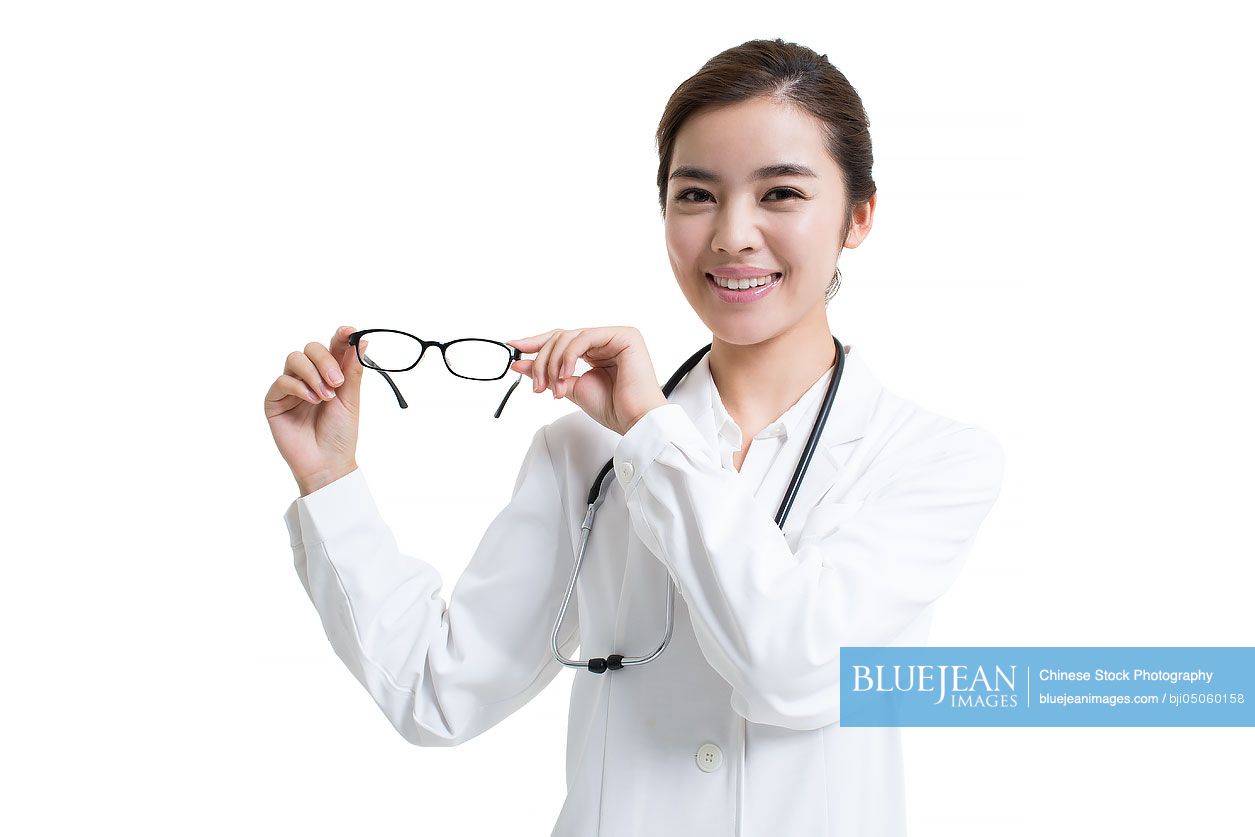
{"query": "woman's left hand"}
(620, 387)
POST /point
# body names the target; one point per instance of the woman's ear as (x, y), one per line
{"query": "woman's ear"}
(861, 222)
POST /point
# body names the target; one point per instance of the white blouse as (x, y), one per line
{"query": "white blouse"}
(733, 729)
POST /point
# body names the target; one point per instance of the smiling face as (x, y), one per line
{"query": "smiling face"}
(752, 184)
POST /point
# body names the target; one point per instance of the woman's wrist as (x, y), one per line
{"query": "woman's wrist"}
(312, 482)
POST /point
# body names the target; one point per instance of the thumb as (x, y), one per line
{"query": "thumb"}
(350, 390)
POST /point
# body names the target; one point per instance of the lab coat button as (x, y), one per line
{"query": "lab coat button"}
(709, 757)
(626, 470)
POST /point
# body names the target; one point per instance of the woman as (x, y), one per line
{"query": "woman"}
(765, 171)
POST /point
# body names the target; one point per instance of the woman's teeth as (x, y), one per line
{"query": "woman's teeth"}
(743, 284)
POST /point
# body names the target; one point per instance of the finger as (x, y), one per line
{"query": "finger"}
(558, 359)
(527, 345)
(299, 365)
(527, 367)
(599, 344)
(350, 391)
(542, 360)
(339, 340)
(343, 363)
(328, 364)
(553, 357)
(580, 348)
(286, 386)
(349, 363)
(596, 347)
(533, 344)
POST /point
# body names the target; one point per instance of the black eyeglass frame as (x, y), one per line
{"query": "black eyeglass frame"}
(366, 362)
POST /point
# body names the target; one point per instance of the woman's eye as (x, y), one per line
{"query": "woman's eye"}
(702, 193)
(680, 197)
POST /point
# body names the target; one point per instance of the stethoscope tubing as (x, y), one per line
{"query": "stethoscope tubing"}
(613, 662)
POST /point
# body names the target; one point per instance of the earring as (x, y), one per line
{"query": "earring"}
(836, 283)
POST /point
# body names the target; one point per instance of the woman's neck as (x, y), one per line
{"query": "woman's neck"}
(758, 383)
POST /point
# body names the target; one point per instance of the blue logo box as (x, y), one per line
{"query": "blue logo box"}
(1047, 687)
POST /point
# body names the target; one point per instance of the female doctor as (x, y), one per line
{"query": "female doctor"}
(764, 176)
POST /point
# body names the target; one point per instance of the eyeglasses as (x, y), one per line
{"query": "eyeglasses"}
(470, 358)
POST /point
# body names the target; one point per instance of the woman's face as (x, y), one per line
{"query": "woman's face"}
(723, 212)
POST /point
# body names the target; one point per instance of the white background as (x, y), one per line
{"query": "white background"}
(189, 191)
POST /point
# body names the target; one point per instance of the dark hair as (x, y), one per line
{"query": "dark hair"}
(790, 74)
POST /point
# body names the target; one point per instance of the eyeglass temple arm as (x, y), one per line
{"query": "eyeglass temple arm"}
(388, 378)
(508, 393)
(515, 354)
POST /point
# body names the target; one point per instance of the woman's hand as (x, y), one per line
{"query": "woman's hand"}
(621, 386)
(313, 411)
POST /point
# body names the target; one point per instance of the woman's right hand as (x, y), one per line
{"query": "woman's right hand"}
(313, 411)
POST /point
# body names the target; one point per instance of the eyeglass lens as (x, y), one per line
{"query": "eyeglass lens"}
(470, 358)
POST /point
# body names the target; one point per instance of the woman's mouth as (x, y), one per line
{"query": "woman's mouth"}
(746, 295)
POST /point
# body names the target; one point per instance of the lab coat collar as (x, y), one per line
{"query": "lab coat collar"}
(796, 420)
(856, 399)
(847, 421)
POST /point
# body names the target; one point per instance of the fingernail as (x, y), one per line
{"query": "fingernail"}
(336, 377)
(328, 391)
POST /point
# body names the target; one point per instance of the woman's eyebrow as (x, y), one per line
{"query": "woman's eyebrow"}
(773, 170)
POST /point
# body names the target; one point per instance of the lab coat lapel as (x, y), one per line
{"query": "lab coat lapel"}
(847, 421)
(851, 411)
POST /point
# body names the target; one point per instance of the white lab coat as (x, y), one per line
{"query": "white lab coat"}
(733, 729)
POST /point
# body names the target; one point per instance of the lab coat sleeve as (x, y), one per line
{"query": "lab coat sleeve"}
(442, 674)
(771, 621)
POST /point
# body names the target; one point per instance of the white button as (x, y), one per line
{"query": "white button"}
(709, 758)
(626, 470)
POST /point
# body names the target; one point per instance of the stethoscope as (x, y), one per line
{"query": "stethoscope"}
(599, 665)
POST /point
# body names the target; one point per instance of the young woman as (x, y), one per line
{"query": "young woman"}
(764, 176)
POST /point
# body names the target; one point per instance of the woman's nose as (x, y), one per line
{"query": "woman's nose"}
(736, 228)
